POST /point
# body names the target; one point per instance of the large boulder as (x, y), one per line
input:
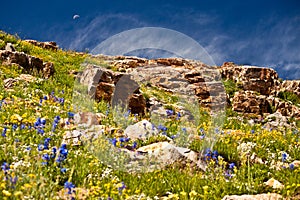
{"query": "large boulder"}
(114, 87)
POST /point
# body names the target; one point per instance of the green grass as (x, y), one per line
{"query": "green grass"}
(19, 148)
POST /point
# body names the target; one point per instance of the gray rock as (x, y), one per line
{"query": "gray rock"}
(141, 130)
(78, 136)
(271, 196)
(276, 120)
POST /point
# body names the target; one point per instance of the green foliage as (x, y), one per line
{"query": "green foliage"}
(230, 87)
(289, 96)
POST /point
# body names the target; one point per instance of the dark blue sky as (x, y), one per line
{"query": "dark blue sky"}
(263, 33)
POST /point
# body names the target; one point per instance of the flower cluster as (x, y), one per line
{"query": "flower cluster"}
(55, 123)
(211, 155)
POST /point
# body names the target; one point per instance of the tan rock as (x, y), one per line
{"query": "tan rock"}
(274, 183)
(270, 196)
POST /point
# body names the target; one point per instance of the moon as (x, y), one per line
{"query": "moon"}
(76, 16)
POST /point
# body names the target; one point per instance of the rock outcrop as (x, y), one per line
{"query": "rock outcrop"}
(46, 45)
(27, 62)
(258, 79)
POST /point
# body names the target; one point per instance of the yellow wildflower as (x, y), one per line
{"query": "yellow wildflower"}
(6, 193)
(193, 193)
(183, 193)
(18, 193)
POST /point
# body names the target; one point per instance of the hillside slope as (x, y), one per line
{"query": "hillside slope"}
(63, 138)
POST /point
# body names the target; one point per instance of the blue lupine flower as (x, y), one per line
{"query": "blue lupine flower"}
(231, 165)
(22, 126)
(114, 141)
(40, 131)
(5, 167)
(228, 174)
(45, 97)
(37, 123)
(61, 101)
(43, 121)
(14, 127)
(63, 170)
(184, 130)
(54, 150)
(69, 186)
(134, 145)
(122, 139)
(202, 136)
(252, 131)
(121, 188)
(162, 128)
(46, 157)
(217, 130)
(178, 116)
(46, 143)
(13, 181)
(63, 150)
(55, 123)
(169, 112)
(284, 157)
(127, 114)
(4, 132)
(56, 118)
(40, 147)
(71, 115)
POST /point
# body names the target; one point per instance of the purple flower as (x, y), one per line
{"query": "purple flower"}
(169, 112)
(40, 147)
(231, 165)
(121, 188)
(178, 115)
(69, 186)
(5, 167)
(46, 157)
(134, 145)
(4, 132)
(14, 127)
(71, 115)
(162, 128)
(284, 157)
(114, 141)
(292, 166)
